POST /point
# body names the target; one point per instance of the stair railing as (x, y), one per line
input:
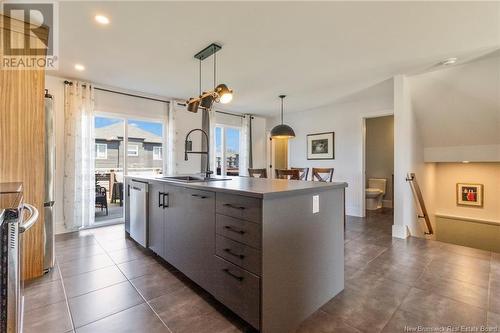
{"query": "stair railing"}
(412, 179)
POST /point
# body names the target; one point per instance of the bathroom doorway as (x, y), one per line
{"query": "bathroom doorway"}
(378, 158)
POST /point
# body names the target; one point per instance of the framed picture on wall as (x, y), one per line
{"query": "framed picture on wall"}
(470, 195)
(321, 146)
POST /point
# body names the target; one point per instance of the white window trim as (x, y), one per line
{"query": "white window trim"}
(158, 156)
(135, 149)
(97, 155)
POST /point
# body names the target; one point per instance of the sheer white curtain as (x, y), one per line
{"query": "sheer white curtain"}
(245, 143)
(212, 122)
(171, 138)
(79, 145)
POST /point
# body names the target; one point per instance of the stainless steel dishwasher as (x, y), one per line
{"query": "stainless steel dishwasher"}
(139, 212)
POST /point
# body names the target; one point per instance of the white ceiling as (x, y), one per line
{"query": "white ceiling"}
(460, 105)
(315, 52)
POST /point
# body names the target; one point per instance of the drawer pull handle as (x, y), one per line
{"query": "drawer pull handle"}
(198, 196)
(228, 251)
(233, 206)
(228, 272)
(229, 228)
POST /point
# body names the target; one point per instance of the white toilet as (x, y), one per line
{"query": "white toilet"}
(375, 192)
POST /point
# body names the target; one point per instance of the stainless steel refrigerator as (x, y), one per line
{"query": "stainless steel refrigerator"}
(50, 168)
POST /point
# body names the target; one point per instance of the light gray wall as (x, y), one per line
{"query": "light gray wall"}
(346, 120)
(379, 151)
(458, 111)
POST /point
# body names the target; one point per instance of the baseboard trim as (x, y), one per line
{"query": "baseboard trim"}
(400, 231)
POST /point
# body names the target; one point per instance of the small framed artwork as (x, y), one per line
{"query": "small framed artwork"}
(470, 195)
(321, 146)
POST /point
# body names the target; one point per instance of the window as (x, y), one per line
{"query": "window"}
(227, 150)
(133, 150)
(101, 151)
(157, 153)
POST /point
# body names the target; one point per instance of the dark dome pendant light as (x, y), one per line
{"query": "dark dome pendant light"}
(282, 131)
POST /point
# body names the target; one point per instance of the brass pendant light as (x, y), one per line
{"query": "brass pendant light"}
(282, 131)
(220, 94)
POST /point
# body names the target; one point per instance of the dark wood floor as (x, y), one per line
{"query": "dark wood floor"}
(104, 283)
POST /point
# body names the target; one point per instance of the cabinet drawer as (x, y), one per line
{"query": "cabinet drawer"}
(200, 194)
(239, 230)
(239, 206)
(239, 290)
(237, 253)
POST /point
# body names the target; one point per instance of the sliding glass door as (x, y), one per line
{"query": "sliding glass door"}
(123, 146)
(145, 147)
(227, 150)
(109, 165)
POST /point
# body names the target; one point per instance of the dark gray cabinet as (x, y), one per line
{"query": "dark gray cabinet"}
(224, 258)
(182, 229)
(190, 237)
(157, 202)
(253, 253)
(238, 289)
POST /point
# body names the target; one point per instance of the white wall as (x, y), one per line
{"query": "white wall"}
(451, 114)
(346, 120)
(458, 111)
(184, 122)
(408, 158)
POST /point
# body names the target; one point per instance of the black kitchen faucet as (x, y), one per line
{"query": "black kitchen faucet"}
(188, 147)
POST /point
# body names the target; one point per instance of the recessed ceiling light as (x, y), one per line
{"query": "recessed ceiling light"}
(101, 19)
(465, 162)
(449, 61)
(79, 67)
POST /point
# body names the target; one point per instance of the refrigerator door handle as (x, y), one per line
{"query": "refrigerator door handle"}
(31, 220)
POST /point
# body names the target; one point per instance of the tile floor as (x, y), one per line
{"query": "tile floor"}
(104, 283)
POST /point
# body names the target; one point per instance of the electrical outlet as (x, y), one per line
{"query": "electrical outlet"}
(315, 204)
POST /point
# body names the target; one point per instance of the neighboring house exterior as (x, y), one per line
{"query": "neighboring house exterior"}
(144, 148)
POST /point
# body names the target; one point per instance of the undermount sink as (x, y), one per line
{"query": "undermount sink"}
(192, 179)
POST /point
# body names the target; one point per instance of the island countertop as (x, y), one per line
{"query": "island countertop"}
(271, 250)
(249, 186)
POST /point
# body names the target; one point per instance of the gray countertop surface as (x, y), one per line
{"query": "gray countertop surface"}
(254, 187)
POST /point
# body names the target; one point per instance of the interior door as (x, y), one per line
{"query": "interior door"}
(279, 155)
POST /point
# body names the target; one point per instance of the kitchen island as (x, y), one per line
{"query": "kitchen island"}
(270, 250)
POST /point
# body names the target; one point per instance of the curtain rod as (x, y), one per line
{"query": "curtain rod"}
(222, 112)
(230, 114)
(122, 93)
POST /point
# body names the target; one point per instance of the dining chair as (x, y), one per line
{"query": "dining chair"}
(322, 174)
(303, 173)
(287, 174)
(257, 173)
(101, 198)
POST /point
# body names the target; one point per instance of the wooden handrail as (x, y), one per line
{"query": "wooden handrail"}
(412, 179)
